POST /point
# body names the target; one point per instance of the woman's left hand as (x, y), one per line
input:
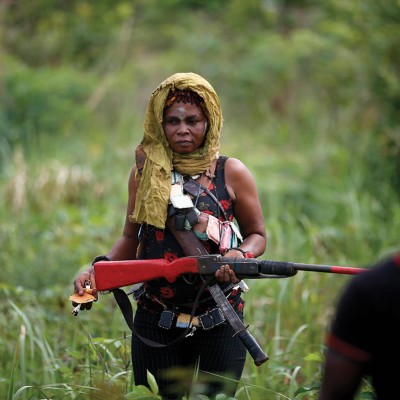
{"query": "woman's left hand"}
(225, 274)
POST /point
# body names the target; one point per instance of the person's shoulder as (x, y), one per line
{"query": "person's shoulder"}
(237, 174)
(389, 263)
(378, 274)
(234, 163)
(134, 171)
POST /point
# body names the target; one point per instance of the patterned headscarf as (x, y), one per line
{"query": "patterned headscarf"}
(155, 181)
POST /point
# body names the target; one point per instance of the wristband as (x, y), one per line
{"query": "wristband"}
(101, 258)
(246, 254)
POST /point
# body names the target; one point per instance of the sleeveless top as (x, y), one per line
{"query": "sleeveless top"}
(160, 243)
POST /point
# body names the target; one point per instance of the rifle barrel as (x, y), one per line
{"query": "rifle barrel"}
(334, 269)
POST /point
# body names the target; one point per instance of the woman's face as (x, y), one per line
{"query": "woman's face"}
(185, 127)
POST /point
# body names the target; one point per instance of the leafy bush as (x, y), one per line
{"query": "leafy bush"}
(41, 102)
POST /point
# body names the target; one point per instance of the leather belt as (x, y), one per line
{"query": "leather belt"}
(208, 320)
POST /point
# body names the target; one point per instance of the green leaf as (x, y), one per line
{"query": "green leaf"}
(141, 392)
(152, 383)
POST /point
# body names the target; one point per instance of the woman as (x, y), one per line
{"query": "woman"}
(179, 154)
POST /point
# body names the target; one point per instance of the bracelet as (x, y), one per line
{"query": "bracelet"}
(101, 258)
(247, 254)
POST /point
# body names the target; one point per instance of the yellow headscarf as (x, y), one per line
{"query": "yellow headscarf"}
(155, 182)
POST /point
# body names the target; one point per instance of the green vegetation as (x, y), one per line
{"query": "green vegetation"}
(310, 92)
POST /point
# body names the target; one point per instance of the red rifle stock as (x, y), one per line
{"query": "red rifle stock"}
(114, 274)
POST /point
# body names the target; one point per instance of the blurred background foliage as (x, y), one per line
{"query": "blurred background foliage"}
(310, 92)
(306, 87)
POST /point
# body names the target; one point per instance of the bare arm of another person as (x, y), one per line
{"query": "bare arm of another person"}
(247, 212)
(123, 249)
(342, 377)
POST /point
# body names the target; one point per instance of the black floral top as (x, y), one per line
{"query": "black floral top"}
(160, 243)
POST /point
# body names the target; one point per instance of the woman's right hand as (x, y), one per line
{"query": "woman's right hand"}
(85, 281)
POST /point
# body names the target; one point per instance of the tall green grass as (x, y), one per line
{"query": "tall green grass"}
(316, 210)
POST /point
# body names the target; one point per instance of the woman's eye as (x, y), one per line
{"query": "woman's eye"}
(176, 121)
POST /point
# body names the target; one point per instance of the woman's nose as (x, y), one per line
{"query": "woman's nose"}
(183, 128)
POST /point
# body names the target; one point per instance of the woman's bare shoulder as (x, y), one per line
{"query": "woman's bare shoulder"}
(234, 166)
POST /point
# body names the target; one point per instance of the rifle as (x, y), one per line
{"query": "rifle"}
(112, 275)
(115, 274)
